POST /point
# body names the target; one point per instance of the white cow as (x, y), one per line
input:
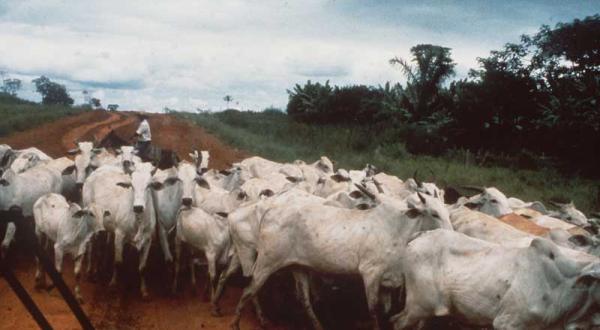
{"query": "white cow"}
(88, 159)
(21, 160)
(22, 190)
(484, 284)
(198, 192)
(127, 210)
(167, 196)
(340, 241)
(68, 226)
(206, 233)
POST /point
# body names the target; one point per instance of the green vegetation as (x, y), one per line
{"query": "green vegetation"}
(273, 135)
(538, 97)
(18, 114)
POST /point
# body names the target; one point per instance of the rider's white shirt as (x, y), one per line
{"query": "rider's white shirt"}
(144, 131)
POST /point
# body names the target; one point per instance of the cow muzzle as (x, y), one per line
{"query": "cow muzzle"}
(186, 202)
(138, 209)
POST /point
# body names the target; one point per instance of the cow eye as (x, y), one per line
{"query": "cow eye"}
(435, 215)
(494, 201)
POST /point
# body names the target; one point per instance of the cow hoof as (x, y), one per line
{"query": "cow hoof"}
(39, 285)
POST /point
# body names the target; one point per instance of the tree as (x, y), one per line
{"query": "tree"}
(52, 93)
(433, 67)
(112, 107)
(11, 86)
(228, 99)
(95, 102)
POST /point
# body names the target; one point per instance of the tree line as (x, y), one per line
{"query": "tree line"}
(538, 98)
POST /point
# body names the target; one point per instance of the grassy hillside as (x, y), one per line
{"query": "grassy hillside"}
(272, 135)
(19, 115)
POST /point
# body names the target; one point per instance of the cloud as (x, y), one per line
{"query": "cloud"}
(189, 54)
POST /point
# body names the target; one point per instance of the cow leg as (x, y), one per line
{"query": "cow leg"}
(303, 292)
(90, 253)
(58, 257)
(9, 235)
(371, 282)
(118, 257)
(164, 243)
(211, 259)
(232, 267)
(40, 275)
(142, 268)
(77, 271)
(176, 262)
(262, 271)
(193, 272)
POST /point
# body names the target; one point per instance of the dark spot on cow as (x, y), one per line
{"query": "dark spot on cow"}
(498, 297)
(551, 255)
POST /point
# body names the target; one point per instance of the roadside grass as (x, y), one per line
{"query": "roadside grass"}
(272, 135)
(20, 115)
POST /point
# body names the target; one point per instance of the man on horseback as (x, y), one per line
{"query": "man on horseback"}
(144, 137)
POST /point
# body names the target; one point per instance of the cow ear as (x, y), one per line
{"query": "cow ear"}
(171, 181)
(266, 192)
(363, 206)
(222, 214)
(4, 182)
(79, 213)
(338, 178)
(124, 184)
(292, 179)
(580, 240)
(472, 205)
(413, 213)
(156, 185)
(356, 194)
(202, 183)
(68, 170)
(73, 151)
(154, 169)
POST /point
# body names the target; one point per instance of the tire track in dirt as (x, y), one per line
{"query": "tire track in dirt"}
(68, 140)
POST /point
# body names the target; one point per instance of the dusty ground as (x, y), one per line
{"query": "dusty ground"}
(121, 308)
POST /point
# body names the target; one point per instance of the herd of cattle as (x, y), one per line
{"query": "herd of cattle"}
(486, 260)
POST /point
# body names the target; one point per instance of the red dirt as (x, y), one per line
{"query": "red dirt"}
(122, 308)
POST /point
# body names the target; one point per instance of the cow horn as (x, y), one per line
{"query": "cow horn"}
(474, 188)
(366, 191)
(419, 183)
(422, 198)
(378, 186)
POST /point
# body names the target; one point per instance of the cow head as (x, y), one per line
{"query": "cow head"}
(568, 212)
(324, 164)
(141, 183)
(190, 177)
(128, 158)
(200, 160)
(431, 210)
(25, 161)
(84, 163)
(490, 201)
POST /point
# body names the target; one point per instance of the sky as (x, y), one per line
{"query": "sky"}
(189, 54)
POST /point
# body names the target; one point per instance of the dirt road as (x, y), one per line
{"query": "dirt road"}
(121, 308)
